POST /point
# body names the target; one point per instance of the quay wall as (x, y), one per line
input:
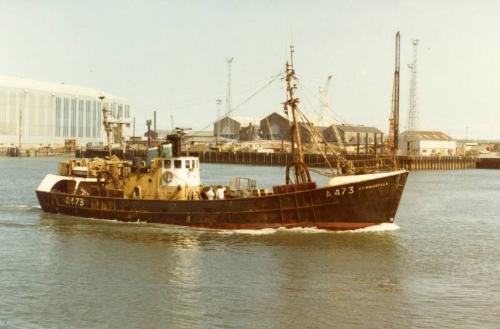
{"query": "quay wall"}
(488, 163)
(436, 163)
(317, 160)
(243, 158)
(40, 152)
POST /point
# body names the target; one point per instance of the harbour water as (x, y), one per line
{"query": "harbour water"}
(438, 267)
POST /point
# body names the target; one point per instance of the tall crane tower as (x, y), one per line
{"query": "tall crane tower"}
(412, 105)
(228, 95)
(394, 119)
(324, 117)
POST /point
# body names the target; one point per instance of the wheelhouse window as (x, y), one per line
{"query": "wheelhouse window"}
(167, 164)
(188, 164)
(178, 164)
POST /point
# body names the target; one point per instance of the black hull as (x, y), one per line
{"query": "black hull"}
(349, 206)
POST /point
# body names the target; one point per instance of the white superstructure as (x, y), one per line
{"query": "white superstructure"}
(37, 113)
(182, 171)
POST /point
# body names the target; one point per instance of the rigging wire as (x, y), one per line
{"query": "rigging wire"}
(322, 173)
(246, 100)
(274, 78)
(337, 116)
(315, 133)
(310, 103)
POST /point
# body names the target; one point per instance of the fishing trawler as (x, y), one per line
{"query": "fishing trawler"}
(167, 189)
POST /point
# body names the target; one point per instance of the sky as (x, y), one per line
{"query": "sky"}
(170, 56)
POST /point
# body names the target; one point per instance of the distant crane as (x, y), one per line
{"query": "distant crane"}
(412, 104)
(325, 118)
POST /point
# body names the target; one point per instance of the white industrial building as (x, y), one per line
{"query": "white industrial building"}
(426, 143)
(37, 113)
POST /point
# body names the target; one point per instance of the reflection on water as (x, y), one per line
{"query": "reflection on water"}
(210, 275)
(187, 237)
(437, 267)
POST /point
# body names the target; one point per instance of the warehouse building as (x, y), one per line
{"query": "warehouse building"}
(227, 127)
(353, 135)
(230, 127)
(275, 127)
(37, 113)
(426, 143)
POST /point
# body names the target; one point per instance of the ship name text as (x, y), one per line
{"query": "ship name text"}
(369, 187)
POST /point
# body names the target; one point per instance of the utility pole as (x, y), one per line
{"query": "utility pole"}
(106, 123)
(148, 123)
(217, 139)
(394, 119)
(412, 106)
(154, 124)
(228, 95)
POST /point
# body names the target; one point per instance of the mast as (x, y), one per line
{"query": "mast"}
(301, 172)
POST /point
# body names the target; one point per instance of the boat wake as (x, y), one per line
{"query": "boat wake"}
(384, 227)
(25, 207)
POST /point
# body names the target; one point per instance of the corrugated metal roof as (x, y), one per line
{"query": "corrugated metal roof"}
(428, 135)
(245, 121)
(275, 113)
(14, 82)
(358, 129)
(190, 133)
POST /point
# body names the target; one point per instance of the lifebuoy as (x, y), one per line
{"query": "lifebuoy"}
(167, 177)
